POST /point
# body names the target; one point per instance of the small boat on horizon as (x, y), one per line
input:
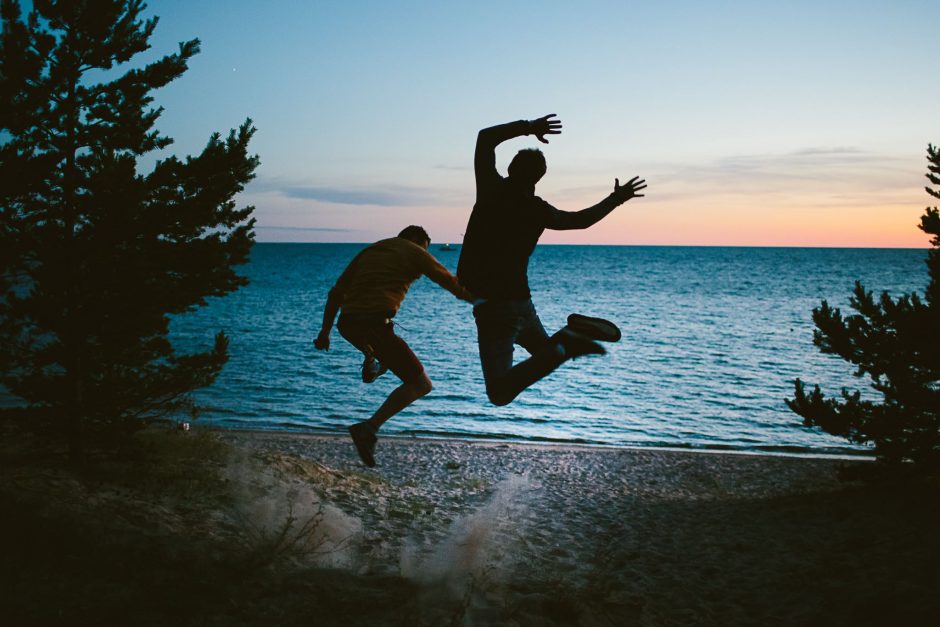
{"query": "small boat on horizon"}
(447, 247)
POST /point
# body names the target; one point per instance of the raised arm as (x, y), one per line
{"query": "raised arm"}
(566, 220)
(484, 160)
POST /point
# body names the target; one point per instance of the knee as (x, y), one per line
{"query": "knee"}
(498, 397)
(422, 386)
(499, 401)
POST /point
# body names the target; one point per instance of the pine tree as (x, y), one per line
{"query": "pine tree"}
(896, 343)
(96, 256)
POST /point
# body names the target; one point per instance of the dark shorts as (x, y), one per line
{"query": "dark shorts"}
(375, 335)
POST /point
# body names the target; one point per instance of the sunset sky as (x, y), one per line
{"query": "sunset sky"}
(754, 123)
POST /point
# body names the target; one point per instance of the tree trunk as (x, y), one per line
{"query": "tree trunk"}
(72, 337)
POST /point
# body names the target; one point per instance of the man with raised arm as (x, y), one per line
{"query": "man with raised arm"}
(369, 292)
(504, 227)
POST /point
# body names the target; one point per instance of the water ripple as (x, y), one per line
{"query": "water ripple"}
(713, 338)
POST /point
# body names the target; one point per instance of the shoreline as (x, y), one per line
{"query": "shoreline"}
(427, 463)
(496, 440)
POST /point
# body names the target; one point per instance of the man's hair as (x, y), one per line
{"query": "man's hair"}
(415, 233)
(528, 166)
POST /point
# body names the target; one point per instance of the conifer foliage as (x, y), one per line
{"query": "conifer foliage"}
(896, 343)
(95, 255)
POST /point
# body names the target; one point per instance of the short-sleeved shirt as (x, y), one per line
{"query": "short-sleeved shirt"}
(376, 281)
(504, 226)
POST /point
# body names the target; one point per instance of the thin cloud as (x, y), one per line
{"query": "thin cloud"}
(806, 161)
(340, 196)
(376, 195)
(318, 229)
(809, 177)
(835, 150)
(748, 173)
(391, 196)
(813, 165)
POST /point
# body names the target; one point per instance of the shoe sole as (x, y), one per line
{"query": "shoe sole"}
(582, 344)
(363, 449)
(594, 328)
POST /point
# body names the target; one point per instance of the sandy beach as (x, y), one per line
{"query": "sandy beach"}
(503, 533)
(451, 532)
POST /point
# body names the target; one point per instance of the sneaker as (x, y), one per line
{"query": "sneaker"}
(372, 369)
(576, 345)
(594, 328)
(364, 438)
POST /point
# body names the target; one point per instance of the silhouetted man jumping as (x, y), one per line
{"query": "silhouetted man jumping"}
(504, 227)
(369, 291)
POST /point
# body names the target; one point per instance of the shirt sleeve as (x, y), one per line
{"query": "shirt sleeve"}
(558, 220)
(552, 217)
(434, 270)
(342, 283)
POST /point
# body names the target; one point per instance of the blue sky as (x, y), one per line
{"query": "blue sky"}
(755, 123)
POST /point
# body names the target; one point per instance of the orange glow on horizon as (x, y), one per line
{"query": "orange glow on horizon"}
(888, 220)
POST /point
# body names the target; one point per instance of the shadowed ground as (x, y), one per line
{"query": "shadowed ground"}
(263, 529)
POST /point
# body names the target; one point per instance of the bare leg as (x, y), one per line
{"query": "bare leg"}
(400, 398)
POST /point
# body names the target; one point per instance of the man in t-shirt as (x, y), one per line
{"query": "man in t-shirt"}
(504, 227)
(369, 292)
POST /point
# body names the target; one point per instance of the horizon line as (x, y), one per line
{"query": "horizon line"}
(821, 247)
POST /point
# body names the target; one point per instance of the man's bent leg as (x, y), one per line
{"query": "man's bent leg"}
(393, 352)
(364, 433)
(499, 326)
(400, 398)
(504, 382)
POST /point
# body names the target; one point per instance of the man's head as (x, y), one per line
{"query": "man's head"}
(417, 235)
(528, 166)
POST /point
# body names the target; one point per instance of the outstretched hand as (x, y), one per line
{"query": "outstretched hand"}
(545, 126)
(623, 193)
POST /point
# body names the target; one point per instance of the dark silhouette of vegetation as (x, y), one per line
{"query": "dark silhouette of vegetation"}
(896, 343)
(96, 256)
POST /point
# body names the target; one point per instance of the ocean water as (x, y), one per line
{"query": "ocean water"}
(712, 340)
